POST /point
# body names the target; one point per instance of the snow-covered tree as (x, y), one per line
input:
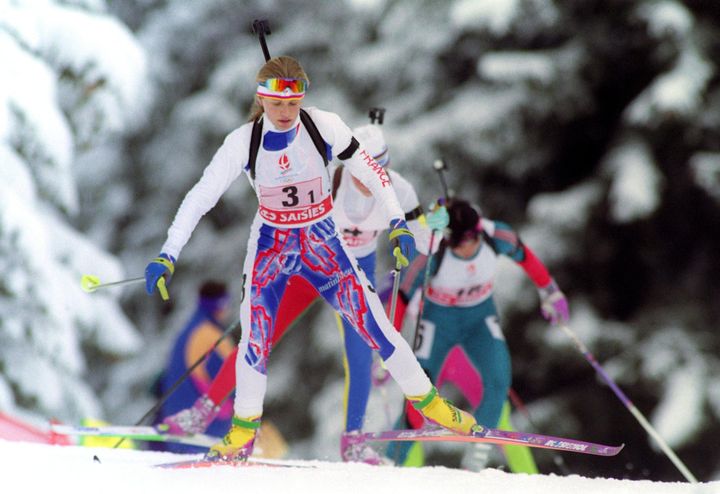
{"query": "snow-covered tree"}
(62, 92)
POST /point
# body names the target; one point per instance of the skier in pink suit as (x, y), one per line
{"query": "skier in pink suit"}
(293, 234)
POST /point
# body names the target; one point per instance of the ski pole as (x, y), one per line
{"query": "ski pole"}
(89, 283)
(182, 378)
(395, 290)
(439, 166)
(425, 285)
(630, 406)
(261, 27)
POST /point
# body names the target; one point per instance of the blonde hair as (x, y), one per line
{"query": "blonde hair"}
(282, 67)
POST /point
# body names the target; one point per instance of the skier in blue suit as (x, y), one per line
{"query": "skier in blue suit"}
(205, 327)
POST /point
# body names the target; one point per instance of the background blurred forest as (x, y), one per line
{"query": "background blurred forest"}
(592, 126)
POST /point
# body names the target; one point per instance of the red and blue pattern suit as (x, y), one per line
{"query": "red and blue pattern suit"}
(316, 253)
(293, 235)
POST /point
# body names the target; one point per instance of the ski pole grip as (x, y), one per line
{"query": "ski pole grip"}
(162, 288)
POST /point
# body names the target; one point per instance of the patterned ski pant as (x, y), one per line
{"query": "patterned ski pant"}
(317, 253)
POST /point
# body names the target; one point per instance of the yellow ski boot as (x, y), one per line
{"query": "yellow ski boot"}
(238, 443)
(438, 410)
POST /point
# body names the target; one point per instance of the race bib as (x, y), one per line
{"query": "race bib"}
(294, 204)
(462, 297)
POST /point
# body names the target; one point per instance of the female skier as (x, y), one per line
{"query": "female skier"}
(459, 313)
(360, 220)
(293, 233)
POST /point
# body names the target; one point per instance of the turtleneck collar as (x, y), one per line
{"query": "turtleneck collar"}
(275, 139)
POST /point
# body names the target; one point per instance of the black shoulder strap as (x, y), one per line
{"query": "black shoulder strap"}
(254, 145)
(337, 178)
(314, 135)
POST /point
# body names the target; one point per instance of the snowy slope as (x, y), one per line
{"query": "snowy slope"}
(30, 467)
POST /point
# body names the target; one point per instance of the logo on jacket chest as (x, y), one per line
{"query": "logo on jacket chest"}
(471, 270)
(284, 163)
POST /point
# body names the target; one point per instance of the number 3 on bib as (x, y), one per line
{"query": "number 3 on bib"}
(300, 194)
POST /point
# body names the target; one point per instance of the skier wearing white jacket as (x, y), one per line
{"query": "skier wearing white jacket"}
(293, 233)
(360, 219)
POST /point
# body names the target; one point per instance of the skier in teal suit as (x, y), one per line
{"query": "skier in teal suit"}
(459, 313)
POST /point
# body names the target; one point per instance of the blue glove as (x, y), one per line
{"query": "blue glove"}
(403, 242)
(158, 274)
(438, 218)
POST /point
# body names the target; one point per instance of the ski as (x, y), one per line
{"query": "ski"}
(497, 436)
(139, 432)
(250, 462)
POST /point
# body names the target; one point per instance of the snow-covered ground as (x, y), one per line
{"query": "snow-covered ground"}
(28, 467)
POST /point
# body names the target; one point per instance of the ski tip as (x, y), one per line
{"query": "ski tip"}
(610, 450)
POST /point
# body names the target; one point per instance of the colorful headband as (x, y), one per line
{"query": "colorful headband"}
(284, 89)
